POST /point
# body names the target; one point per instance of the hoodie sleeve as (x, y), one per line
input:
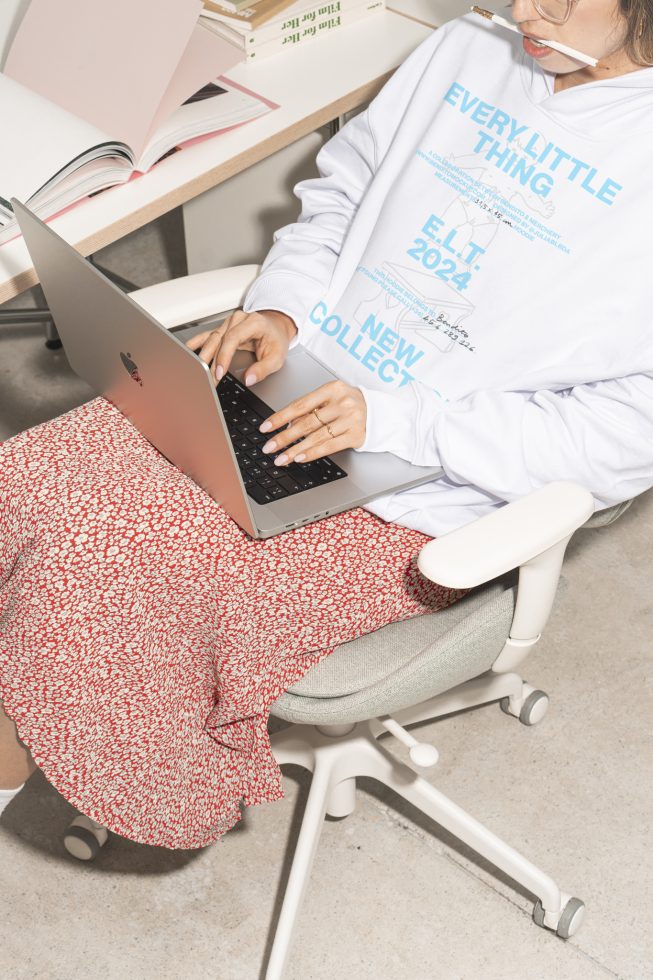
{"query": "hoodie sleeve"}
(507, 443)
(300, 264)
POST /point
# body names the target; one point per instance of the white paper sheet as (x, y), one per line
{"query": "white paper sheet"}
(39, 140)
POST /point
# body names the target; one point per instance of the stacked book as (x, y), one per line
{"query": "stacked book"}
(265, 27)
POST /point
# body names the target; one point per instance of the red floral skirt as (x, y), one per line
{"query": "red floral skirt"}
(144, 635)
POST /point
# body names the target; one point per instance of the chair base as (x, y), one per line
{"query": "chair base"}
(337, 756)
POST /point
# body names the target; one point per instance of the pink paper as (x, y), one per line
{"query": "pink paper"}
(241, 88)
(107, 62)
(206, 56)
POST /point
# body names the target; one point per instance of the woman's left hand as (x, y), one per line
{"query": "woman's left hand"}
(329, 419)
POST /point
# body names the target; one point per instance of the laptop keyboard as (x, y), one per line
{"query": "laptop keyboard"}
(244, 412)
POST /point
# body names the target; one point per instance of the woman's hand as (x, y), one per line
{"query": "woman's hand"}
(329, 419)
(267, 333)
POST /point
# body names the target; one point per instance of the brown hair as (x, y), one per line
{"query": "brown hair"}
(639, 30)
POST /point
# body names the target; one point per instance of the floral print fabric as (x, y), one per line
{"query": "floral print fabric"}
(144, 635)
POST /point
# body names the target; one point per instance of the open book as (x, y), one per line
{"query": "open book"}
(84, 109)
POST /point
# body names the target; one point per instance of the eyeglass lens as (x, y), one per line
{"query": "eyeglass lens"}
(555, 11)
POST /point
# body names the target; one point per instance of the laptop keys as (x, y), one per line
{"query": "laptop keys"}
(259, 494)
(264, 482)
(289, 485)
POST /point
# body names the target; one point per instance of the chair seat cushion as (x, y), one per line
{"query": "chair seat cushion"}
(405, 662)
(601, 518)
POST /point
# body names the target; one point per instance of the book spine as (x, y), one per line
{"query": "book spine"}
(225, 31)
(228, 7)
(243, 24)
(260, 12)
(326, 19)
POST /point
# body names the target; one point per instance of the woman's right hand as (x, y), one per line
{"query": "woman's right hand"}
(267, 333)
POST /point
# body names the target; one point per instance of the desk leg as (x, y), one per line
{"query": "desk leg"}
(41, 313)
(52, 339)
(34, 315)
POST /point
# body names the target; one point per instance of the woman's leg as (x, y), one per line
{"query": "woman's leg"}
(144, 635)
(16, 764)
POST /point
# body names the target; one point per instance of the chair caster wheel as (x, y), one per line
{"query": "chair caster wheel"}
(84, 838)
(53, 344)
(570, 919)
(533, 709)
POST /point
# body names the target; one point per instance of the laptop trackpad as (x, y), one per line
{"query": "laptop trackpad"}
(300, 374)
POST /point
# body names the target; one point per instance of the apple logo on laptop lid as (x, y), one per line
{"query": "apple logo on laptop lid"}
(131, 368)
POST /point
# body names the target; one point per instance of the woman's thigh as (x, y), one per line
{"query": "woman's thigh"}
(110, 549)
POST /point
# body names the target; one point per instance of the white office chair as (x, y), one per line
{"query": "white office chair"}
(412, 671)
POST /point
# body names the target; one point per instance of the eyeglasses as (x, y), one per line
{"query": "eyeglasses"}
(555, 11)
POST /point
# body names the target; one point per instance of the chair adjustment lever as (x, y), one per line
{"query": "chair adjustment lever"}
(424, 756)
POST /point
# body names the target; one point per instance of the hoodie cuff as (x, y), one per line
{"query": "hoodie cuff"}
(278, 293)
(402, 422)
(391, 421)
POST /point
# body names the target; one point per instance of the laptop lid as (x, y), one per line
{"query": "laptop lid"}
(134, 362)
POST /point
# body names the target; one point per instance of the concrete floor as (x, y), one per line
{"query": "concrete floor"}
(391, 895)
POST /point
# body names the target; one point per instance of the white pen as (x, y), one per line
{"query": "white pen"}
(555, 45)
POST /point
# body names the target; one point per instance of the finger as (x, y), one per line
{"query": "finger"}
(211, 338)
(214, 339)
(196, 342)
(303, 406)
(210, 344)
(200, 338)
(303, 427)
(245, 335)
(314, 441)
(268, 360)
(313, 448)
(328, 418)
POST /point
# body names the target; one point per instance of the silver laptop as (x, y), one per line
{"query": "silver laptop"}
(168, 393)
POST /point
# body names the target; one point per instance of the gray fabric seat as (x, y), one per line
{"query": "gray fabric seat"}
(408, 662)
(405, 662)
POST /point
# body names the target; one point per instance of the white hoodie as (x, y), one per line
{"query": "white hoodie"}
(475, 259)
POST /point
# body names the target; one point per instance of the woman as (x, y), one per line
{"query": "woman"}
(470, 265)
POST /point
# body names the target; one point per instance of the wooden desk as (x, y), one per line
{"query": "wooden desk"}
(312, 85)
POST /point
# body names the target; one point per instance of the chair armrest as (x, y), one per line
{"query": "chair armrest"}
(508, 538)
(531, 534)
(191, 298)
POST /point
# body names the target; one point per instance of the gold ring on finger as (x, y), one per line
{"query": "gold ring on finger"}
(324, 425)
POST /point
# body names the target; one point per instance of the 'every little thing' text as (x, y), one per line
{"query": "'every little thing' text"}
(524, 154)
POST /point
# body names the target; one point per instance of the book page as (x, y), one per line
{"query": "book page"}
(107, 63)
(11, 14)
(206, 56)
(42, 139)
(218, 107)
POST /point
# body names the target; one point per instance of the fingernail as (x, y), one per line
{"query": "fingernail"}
(280, 460)
(219, 371)
(300, 458)
(265, 427)
(269, 446)
(250, 379)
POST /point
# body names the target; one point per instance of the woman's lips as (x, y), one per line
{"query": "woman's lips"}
(534, 50)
